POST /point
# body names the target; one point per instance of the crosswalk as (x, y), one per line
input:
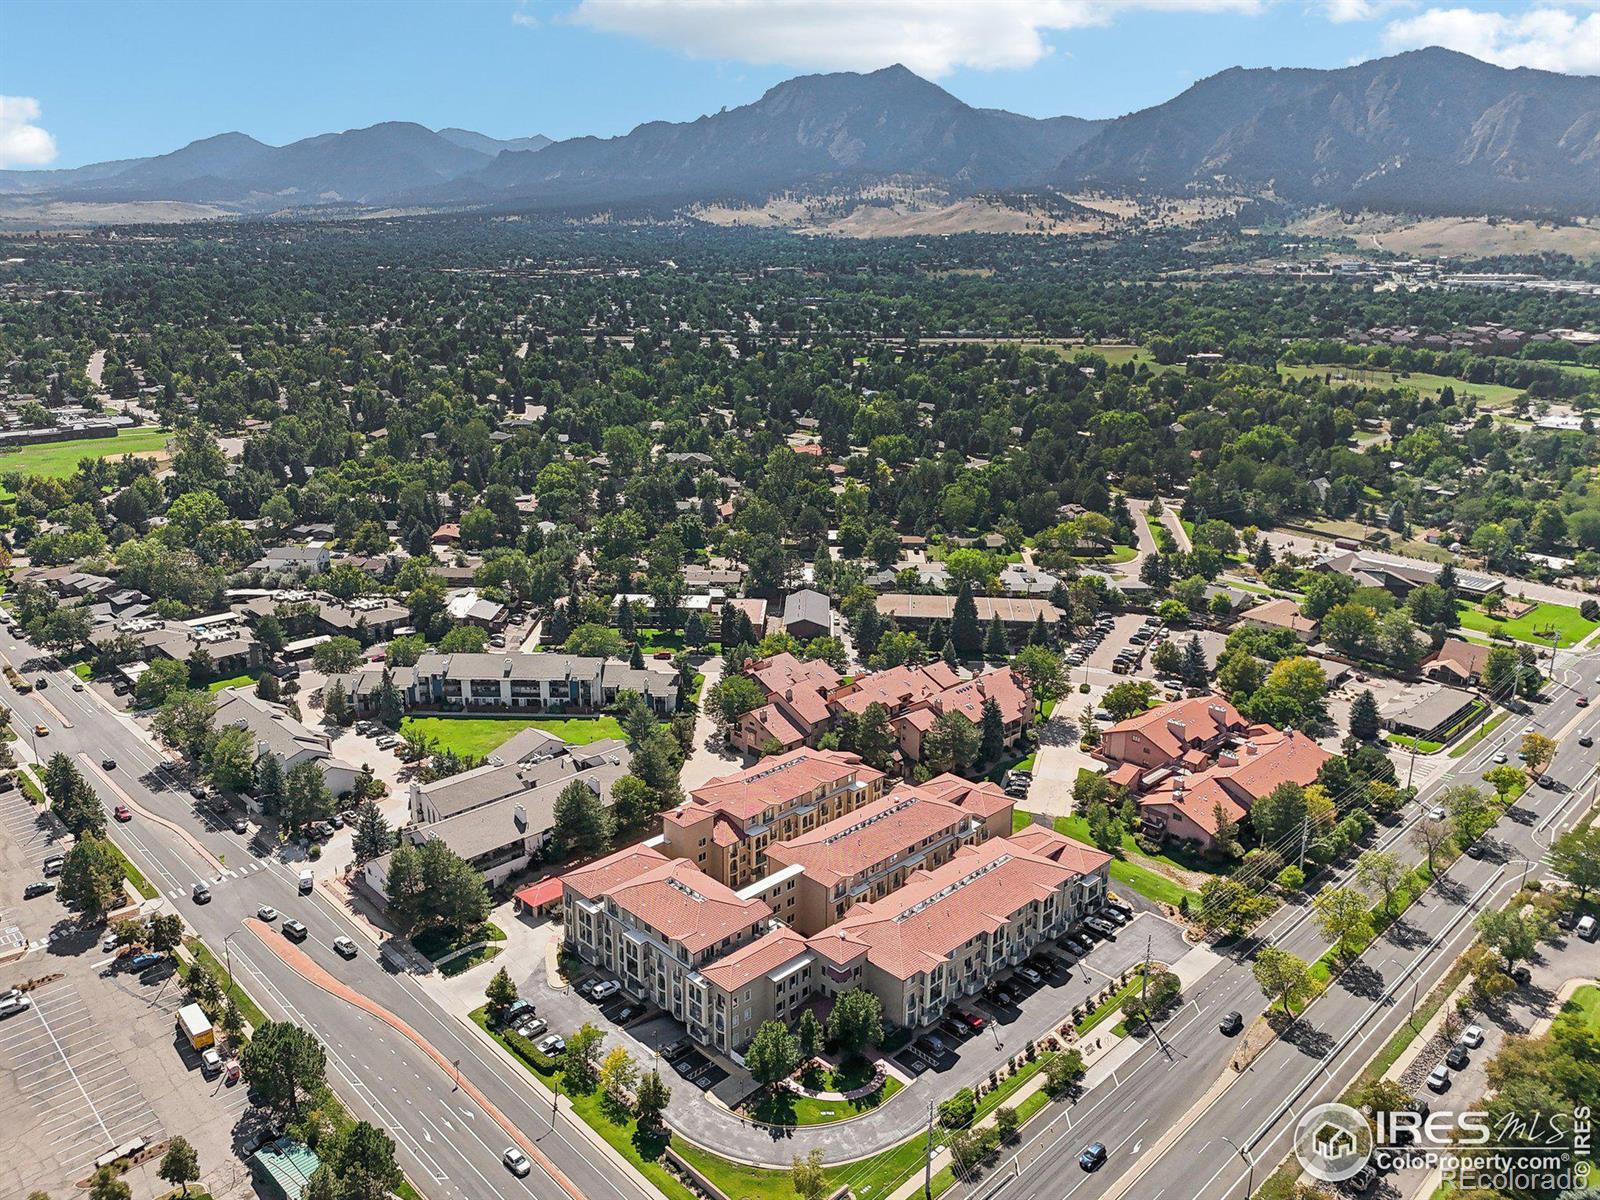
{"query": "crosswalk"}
(223, 876)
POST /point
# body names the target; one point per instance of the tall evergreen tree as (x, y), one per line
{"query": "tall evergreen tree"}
(1364, 723)
(965, 631)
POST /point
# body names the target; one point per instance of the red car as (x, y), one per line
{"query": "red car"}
(1583, 702)
(972, 1020)
(123, 813)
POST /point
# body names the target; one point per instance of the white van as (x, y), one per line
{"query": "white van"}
(307, 882)
(1586, 928)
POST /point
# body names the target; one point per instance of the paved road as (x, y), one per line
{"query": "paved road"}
(447, 1144)
(1153, 1094)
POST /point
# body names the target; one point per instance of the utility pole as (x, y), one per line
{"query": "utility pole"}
(1412, 769)
(1305, 829)
(927, 1160)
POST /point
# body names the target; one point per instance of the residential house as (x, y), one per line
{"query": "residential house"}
(1457, 662)
(807, 614)
(1281, 614)
(1017, 614)
(275, 732)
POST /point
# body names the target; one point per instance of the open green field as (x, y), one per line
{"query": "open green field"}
(1533, 626)
(60, 459)
(790, 1108)
(479, 735)
(236, 681)
(1425, 385)
(1584, 1006)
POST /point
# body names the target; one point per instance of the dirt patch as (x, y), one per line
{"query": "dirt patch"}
(1462, 237)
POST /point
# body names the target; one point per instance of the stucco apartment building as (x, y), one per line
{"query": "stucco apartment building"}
(717, 961)
(654, 922)
(804, 699)
(726, 825)
(874, 850)
(1192, 763)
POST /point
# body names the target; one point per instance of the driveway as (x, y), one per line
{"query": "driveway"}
(710, 757)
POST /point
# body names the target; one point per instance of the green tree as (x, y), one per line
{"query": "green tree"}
(284, 1065)
(1128, 699)
(732, 697)
(230, 759)
(336, 704)
(370, 835)
(184, 721)
(951, 743)
(365, 1164)
(992, 732)
(856, 1021)
(810, 1034)
(337, 655)
(160, 679)
(305, 795)
(651, 1102)
(1063, 1071)
(108, 1185)
(501, 994)
(808, 1178)
(1512, 934)
(580, 1062)
(180, 1165)
(1342, 918)
(583, 824)
(619, 1077)
(1364, 717)
(773, 1054)
(965, 631)
(91, 877)
(1281, 976)
(1576, 855)
(1382, 871)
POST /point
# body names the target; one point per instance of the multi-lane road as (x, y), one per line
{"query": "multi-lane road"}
(1180, 1125)
(447, 1143)
(1152, 1116)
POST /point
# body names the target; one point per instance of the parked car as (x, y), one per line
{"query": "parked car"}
(935, 1043)
(53, 865)
(1439, 1078)
(532, 1027)
(604, 990)
(1522, 975)
(1115, 915)
(627, 1012)
(1031, 976)
(13, 1005)
(516, 1162)
(955, 1028)
(552, 1044)
(972, 1020)
(138, 963)
(1501, 757)
(1472, 1036)
(210, 1062)
(675, 1051)
(1361, 1182)
(108, 764)
(239, 825)
(1076, 944)
(1101, 926)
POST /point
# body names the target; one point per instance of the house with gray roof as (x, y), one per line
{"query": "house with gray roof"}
(275, 732)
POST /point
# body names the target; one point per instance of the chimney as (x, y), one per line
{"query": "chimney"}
(1220, 713)
(1176, 727)
(1250, 748)
(522, 818)
(505, 668)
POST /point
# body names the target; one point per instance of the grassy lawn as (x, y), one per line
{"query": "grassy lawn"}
(236, 681)
(60, 459)
(1478, 734)
(1414, 743)
(1111, 1006)
(1534, 626)
(788, 1108)
(135, 876)
(1425, 385)
(1130, 870)
(1584, 1006)
(437, 942)
(83, 671)
(479, 735)
(467, 961)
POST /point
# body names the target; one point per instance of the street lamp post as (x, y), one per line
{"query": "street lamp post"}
(1250, 1178)
(227, 957)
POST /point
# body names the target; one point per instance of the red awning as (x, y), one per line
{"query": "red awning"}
(537, 895)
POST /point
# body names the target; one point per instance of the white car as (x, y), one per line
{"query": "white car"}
(1436, 813)
(13, 1005)
(1501, 757)
(1472, 1036)
(210, 1061)
(266, 913)
(516, 1162)
(605, 990)
(1439, 1078)
(554, 1044)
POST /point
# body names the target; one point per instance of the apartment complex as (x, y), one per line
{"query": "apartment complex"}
(1194, 764)
(804, 699)
(871, 852)
(500, 682)
(727, 824)
(717, 960)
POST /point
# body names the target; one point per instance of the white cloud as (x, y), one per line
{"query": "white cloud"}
(1551, 39)
(521, 16)
(22, 143)
(931, 38)
(1341, 12)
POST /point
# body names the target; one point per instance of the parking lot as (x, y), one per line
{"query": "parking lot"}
(34, 832)
(76, 1099)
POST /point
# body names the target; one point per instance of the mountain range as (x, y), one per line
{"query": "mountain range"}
(1427, 131)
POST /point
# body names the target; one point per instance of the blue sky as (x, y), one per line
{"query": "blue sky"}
(91, 80)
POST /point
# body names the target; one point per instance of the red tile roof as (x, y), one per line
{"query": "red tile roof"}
(671, 896)
(858, 841)
(1203, 719)
(775, 781)
(936, 912)
(749, 962)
